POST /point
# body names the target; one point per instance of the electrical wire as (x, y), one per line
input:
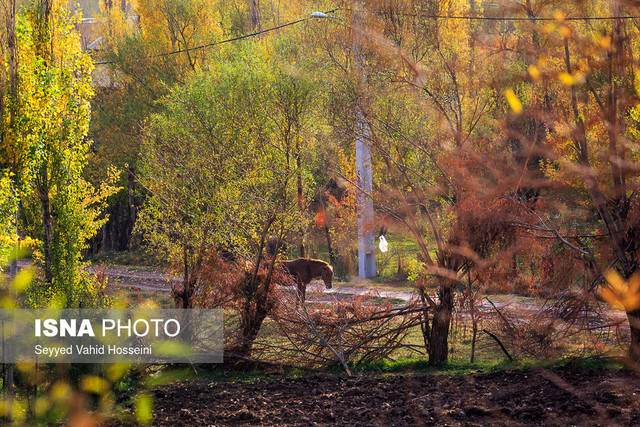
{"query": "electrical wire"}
(245, 36)
(417, 15)
(519, 18)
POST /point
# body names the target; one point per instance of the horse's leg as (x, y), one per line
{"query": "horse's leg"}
(301, 290)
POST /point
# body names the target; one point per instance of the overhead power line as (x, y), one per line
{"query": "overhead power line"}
(417, 15)
(505, 18)
(519, 18)
(246, 36)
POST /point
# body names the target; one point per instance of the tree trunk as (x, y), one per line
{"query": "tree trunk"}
(254, 23)
(256, 292)
(105, 238)
(332, 255)
(303, 253)
(255, 310)
(473, 340)
(183, 297)
(46, 223)
(7, 383)
(251, 325)
(11, 44)
(634, 324)
(7, 368)
(327, 233)
(132, 206)
(439, 342)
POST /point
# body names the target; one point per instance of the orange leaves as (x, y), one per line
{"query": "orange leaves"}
(604, 42)
(622, 292)
(321, 218)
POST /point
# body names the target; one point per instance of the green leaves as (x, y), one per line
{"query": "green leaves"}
(222, 157)
(44, 130)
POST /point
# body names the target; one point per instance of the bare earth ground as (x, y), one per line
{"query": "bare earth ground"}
(505, 398)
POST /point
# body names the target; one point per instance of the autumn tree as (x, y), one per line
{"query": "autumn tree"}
(15, 160)
(44, 140)
(426, 96)
(133, 42)
(148, 48)
(223, 165)
(579, 83)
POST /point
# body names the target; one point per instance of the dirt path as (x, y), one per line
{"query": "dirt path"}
(145, 279)
(506, 398)
(155, 280)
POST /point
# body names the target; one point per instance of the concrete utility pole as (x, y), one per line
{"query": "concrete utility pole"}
(366, 244)
(364, 204)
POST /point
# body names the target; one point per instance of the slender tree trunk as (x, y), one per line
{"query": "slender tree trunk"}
(7, 383)
(634, 323)
(183, 297)
(303, 253)
(256, 291)
(327, 233)
(439, 342)
(332, 255)
(7, 368)
(105, 238)
(13, 93)
(11, 44)
(132, 205)
(473, 341)
(254, 24)
(45, 204)
(3, 82)
(8, 380)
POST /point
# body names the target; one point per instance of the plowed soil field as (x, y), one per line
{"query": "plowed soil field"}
(540, 397)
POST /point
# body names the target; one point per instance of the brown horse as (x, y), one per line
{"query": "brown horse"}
(304, 270)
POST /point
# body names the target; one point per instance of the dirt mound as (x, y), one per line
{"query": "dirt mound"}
(578, 397)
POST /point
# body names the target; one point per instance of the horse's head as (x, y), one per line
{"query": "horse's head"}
(327, 276)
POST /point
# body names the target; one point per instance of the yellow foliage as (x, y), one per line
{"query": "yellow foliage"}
(94, 384)
(117, 370)
(41, 406)
(23, 279)
(534, 72)
(513, 101)
(620, 292)
(60, 391)
(144, 409)
(605, 42)
(567, 79)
